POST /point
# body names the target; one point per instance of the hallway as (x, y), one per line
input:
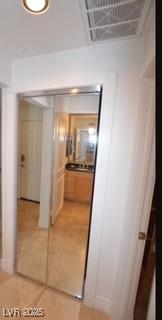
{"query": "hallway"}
(70, 60)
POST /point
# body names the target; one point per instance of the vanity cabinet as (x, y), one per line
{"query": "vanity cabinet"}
(78, 186)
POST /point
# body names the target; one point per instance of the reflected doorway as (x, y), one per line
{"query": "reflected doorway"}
(34, 144)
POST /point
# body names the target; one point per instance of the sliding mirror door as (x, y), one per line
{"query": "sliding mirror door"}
(34, 156)
(75, 127)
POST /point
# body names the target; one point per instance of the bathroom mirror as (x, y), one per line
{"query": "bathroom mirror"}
(56, 188)
(83, 138)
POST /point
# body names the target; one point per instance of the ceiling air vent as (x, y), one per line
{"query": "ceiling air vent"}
(113, 19)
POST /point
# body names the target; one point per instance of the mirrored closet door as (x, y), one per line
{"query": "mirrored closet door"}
(34, 169)
(57, 154)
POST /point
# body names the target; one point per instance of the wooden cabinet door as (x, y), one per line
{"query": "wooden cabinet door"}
(70, 180)
(83, 187)
(78, 186)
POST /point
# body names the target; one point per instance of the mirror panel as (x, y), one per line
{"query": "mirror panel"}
(72, 192)
(33, 216)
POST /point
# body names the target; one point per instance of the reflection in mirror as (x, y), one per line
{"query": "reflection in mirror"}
(75, 126)
(57, 150)
(83, 137)
(35, 130)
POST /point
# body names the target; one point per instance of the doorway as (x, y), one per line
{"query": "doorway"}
(148, 267)
(30, 131)
(54, 222)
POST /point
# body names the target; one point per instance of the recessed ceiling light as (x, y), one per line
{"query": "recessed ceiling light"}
(36, 6)
(75, 90)
(21, 49)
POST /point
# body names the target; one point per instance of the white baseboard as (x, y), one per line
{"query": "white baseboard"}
(42, 225)
(97, 302)
(7, 266)
(89, 298)
(103, 304)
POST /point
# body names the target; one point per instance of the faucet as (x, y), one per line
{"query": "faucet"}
(84, 165)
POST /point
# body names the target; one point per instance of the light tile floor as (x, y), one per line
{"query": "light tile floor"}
(67, 248)
(32, 242)
(63, 250)
(20, 292)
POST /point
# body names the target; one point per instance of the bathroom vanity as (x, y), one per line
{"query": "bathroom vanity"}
(78, 184)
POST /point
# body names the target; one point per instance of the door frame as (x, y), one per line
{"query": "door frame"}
(148, 182)
(10, 133)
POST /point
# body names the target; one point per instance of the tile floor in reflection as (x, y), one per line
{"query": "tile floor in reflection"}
(65, 251)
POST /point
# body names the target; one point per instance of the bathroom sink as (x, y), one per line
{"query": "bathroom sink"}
(78, 168)
(83, 169)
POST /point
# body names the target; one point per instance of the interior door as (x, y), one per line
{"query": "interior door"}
(148, 266)
(30, 162)
(61, 129)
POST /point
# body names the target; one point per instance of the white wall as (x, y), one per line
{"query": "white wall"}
(9, 179)
(81, 103)
(5, 80)
(139, 181)
(92, 65)
(127, 280)
(39, 101)
(78, 67)
(5, 71)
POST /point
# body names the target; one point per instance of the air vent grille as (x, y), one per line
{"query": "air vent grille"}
(90, 4)
(114, 31)
(114, 15)
(112, 19)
